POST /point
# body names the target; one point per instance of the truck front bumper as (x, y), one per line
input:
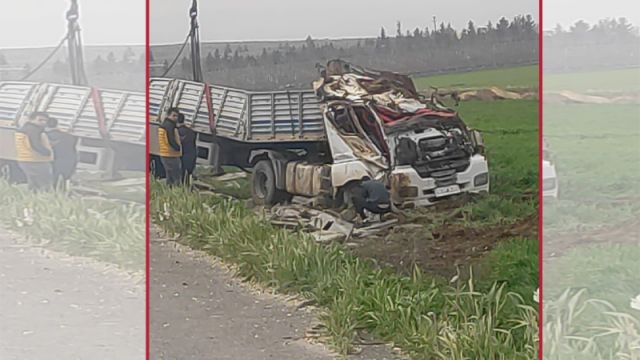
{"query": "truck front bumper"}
(409, 190)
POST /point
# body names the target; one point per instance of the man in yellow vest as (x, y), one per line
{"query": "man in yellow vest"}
(170, 147)
(34, 153)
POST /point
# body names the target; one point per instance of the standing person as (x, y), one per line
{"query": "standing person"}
(65, 154)
(372, 196)
(34, 152)
(189, 149)
(170, 147)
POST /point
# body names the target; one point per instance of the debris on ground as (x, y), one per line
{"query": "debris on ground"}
(324, 225)
(230, 176)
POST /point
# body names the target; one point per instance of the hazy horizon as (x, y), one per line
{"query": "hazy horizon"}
(248, 20)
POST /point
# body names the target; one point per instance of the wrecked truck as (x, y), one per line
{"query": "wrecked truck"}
(355, 124)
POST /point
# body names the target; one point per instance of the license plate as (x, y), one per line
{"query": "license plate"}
(447, 190)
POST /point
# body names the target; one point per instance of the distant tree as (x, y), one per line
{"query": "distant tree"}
(111, 58)
(471, 30)
(276, 57)
(226, 55)
(417, 33)
(210, 62)
(310, 43)
(128, 56)
(152, 59)
(502, 27)
(398, 29)
(236, 61)
(99, 64)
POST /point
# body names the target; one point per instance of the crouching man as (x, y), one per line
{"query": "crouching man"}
(373, 196)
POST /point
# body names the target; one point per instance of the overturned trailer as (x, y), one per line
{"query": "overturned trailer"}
(110, 124)
(354, 125)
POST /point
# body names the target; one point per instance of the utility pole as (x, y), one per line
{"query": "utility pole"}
(74, 45)
(196, 64)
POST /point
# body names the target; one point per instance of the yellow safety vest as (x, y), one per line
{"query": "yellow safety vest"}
(163, 140)
(26, 153)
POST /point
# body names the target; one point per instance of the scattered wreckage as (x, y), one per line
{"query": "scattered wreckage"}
(355, 124)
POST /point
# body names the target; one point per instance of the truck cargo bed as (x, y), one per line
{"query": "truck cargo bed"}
(247, 116)
(73, 106)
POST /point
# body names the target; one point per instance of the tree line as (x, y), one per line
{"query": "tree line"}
(610, 43)
(418, 50)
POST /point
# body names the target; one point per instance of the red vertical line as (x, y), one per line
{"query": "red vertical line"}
(540, 183)
(147, 172)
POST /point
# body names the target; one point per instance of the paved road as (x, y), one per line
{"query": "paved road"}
(199, 311)
(57, 307)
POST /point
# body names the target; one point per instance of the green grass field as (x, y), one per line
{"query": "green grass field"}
(609, 80)
(592, 227)
(515, 77)
(597, 159)
(100, 229)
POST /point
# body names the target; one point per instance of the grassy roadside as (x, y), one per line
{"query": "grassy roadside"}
(426, 317)
(99, 229)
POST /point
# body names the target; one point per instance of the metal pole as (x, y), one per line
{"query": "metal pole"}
(74, 44)
(195, 43)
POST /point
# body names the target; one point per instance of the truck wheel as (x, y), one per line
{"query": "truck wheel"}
(10, 172)
(263, 185)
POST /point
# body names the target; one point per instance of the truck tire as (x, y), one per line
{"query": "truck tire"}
(263, 185)
(11, 172)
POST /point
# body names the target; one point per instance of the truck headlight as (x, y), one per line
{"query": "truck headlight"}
(481, 179)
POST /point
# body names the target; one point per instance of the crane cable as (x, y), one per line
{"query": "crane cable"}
(177, 55)
(46, 59)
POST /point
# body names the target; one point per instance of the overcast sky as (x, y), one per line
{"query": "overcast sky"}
(567, 12)
(295, 19)
(38, 23)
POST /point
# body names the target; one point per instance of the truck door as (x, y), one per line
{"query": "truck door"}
(354, 155)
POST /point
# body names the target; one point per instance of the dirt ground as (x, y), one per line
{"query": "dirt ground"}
(441, 250)
(556, 245)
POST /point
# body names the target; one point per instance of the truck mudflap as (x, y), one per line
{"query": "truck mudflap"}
(409, 189)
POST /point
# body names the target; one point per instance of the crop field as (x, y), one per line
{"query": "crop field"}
(605, 80)
(507, 78)
(396, 285)
(591, 242)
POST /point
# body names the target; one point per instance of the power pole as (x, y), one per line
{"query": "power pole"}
(195, 43)
(74, 45)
